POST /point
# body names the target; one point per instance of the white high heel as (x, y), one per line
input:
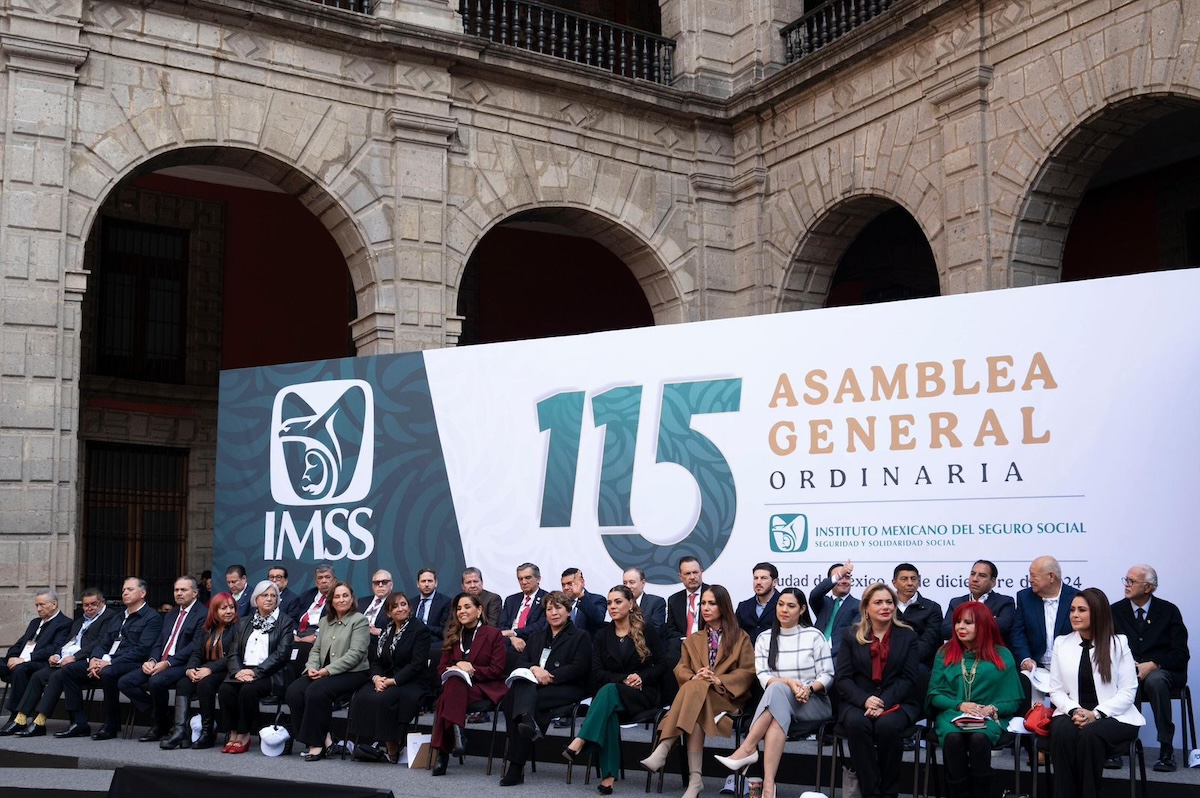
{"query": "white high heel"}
(737, 764)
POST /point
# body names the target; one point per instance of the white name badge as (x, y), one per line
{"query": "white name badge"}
(27, 652)
(116, 644)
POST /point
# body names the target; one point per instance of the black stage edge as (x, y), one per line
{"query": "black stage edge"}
(138, 782)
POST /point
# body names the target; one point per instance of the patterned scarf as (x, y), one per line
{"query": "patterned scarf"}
(263, 624)
(714, 643)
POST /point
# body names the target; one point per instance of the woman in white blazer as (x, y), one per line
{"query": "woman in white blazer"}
(1094, 715)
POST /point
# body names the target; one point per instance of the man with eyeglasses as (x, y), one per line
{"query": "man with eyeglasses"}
(45, 634)
(381, 586)
(1158, 640)
(290, 604)
(980, 586)
(833, 608)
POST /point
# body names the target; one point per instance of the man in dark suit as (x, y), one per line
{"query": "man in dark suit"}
(148, 687)
(372, 607)
(522, 613)
(980, 585)
(431, 607)
(832, 606)
(235, 580)
(289, 603)
(654, 608)
(313, 601)
(757, 613)
(1159, 642)
(683, 609)
(126, 643)
(45, 634)
(472, 583)
(923, 614)
(1046, 597)
(588, 609)
(82, 637)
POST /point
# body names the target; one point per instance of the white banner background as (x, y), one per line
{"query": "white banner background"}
(1119, 467)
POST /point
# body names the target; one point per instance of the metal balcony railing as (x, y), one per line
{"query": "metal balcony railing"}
(575, 37)
(357, 6)
(828, 22)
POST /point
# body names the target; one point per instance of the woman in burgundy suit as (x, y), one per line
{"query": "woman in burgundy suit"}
(473, 648)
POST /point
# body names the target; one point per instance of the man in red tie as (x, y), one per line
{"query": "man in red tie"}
(148, 687)
(522, 613)
(683, 617)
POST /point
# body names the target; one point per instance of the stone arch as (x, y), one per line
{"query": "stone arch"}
(656, 278)
(1053, 194)
(318, 199)
(809, 275)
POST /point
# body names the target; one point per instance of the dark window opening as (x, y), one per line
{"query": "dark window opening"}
(142, 285)
(889, 260)
(134, 518)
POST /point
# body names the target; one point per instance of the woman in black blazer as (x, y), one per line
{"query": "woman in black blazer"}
(559, 657)
(875, 677)
(627, 664)
(257, 665)
(400, 683)
(203, 674)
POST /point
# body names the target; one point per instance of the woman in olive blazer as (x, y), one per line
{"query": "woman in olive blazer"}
(337, 666)
(256, 665)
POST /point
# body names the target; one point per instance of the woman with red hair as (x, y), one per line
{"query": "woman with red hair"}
(203, 675)
(973, 692)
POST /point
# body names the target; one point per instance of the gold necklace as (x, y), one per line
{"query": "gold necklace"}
(968, 678)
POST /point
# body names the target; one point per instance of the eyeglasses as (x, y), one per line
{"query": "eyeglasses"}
(381, 581)
(277, 577)
(1125, 580)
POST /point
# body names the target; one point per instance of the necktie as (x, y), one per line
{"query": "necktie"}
(320, 602)
(691, 614)
(575, 611)
(837, 605)
(374, 608)
(422, 609)
(1087, 680)
(524, 616)
(1141, 618)
(174, 633)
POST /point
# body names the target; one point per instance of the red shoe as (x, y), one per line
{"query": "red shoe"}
(240, 748)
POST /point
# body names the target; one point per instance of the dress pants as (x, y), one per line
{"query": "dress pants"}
(110, 678)
(1155, 690)
(1078, 754)
(152, 692)
(239, 703)
(18, 679)
(386, 715)
(452, 711)
(205, 691)
(311, 703)
(536, 701)
(602, 728)
(69, 682)
(876, 749)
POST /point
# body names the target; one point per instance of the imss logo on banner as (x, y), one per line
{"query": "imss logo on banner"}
(322, 453)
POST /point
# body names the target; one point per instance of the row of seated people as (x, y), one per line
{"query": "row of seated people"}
(972, 692)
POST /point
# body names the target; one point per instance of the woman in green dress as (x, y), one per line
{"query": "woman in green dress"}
(973, 692)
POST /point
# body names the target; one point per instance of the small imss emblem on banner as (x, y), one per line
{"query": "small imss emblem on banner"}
(789, 532)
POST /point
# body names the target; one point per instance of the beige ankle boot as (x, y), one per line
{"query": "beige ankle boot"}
(658, 757)
(695, 774)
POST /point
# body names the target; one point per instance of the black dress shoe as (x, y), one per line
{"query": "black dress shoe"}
(9, 729)
(152, 735)
(1165, 763)
(513, 774)
(570, 755)
(32, 730)
(311, 757)
(74, 730)
(105, 733)
(443, 762)
(460, 742)
(529, 731)
(1114, 763)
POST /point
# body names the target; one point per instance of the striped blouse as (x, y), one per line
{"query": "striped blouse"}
(804, 654)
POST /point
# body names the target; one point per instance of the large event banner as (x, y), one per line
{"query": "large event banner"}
(1002, 425)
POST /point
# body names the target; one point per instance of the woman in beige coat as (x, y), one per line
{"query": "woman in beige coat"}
(715, 672)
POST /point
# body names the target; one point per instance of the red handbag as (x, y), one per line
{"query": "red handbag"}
(1037, 719)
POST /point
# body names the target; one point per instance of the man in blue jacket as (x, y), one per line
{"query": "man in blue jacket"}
(126, 643)
(756, 614)
(1043, 613)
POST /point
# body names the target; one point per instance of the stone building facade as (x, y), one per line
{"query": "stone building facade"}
(734, 190)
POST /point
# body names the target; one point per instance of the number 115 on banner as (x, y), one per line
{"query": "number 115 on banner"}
(618, 410)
